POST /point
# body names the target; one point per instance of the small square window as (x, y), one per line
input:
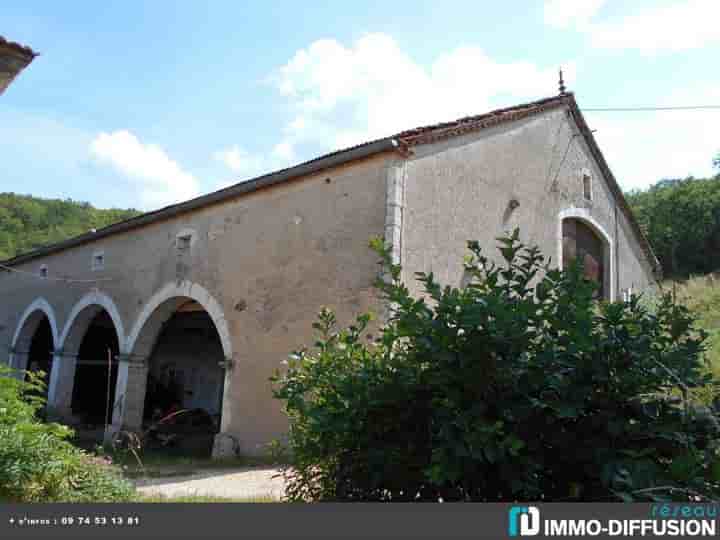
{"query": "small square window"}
(184, 242)
(98, 260)
(587, 186)
(44, 271)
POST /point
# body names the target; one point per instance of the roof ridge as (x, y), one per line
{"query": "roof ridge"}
(17, 46)
(399, 143)
(410, 136)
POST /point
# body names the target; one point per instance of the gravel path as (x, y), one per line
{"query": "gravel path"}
(246, 483)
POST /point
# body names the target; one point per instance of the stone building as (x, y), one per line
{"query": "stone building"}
(209, 296)
(13, 59)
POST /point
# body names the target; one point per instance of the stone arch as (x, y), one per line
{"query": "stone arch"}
(132, 379)
(26, 327)
(162, 305)
(82, 314)
(30, 319)
(583, 215)
(74, 380)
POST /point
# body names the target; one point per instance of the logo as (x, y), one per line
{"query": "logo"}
(528, 518)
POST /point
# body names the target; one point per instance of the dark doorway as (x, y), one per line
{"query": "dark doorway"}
(186, 374)
(41, 351)
(581, 242)
(95, 373)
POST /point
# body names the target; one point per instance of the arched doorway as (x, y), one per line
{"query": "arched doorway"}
(185, 373)
(90, 345)
(96, 368)
(40, 354)
(34, 340)
(178, 351)
(583, 242)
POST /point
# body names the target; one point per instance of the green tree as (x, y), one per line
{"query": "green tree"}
(681, 218)
(27, 223)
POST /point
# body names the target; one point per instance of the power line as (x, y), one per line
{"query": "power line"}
(50, 278)
(632, 109)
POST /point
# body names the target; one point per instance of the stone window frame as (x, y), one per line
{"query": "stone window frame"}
(586, 184)
(583, 214)
(97, 262)
(185, 240)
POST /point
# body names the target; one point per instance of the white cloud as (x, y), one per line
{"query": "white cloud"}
(343, 95)
(644, 147)
(669, 26)
(284, 151)
(678, 26)
(566, 13)
(239, 160)
(158, 179)
(248, 165)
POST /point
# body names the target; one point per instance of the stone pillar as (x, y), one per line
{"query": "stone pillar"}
(60, 389)
(129, 400)
(225, 443)
(19, 361)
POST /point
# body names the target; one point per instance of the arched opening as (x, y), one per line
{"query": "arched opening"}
(581, 241)
(40, 353)
(96, 367)
(33, 344)
(185, 373)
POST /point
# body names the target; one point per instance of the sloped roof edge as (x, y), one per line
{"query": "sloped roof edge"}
(614, 186)
(17, 47)
(399, 142)
(309, 167)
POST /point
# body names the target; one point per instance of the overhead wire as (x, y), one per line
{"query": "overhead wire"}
(642, 109)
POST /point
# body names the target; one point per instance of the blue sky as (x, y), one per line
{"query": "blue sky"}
(144, 104)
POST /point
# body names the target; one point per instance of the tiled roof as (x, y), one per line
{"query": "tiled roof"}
(436, 132)
(22, 49)
(431, 133)
(399, 143)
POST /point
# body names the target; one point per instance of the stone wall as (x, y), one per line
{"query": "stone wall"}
(525, 174)
(262, 265)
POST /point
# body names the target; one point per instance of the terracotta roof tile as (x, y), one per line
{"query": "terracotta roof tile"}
(401, 143)
(425, 134)
(22, 49)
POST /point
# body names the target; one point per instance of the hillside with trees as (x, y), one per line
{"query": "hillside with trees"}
(681, 218)
(28, 222)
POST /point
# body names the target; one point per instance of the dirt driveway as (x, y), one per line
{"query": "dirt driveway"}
(237, 483)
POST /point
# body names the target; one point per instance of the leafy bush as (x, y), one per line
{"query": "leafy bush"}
(517, 385)
(37, 463)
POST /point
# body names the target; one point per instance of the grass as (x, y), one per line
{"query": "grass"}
(200, 499)
(159, 464)
(169, 462)
(701, 295)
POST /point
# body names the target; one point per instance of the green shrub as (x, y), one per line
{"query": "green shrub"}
(515, 386)
(37, 463)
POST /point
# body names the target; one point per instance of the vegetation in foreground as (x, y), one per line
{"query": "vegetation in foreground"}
(701, 295)
(511, 387)
(37, 461)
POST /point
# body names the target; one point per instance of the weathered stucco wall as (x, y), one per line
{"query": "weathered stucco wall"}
(460, 189)
(263, 264)
(269, 260)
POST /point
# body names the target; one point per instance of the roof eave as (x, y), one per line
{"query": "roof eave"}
(328, 161)
(614, 185)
